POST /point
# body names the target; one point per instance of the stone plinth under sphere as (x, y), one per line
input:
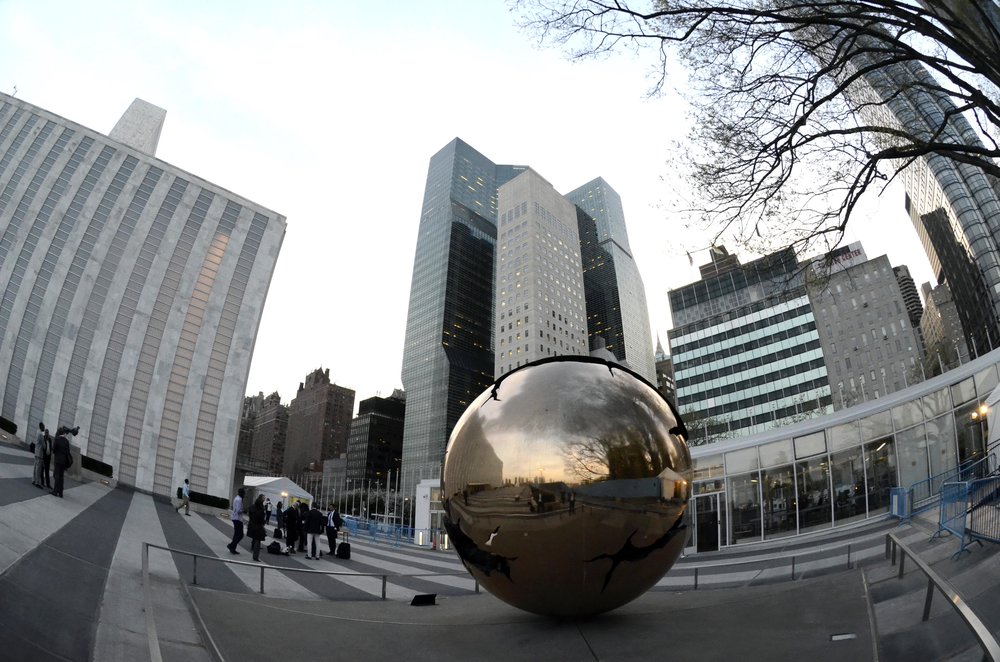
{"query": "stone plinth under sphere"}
(564, 487)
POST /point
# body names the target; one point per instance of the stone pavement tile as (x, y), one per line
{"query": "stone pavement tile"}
(26, 524)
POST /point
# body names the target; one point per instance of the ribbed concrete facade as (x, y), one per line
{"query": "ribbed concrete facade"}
(131, 297)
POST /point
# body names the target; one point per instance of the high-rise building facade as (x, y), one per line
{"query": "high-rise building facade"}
(319, 421)
(448, 351)
(270, 432)
(745, 350)
(954, 206)
(941, 328)
(375, 446)
(263, 428)
(868, 340)
(539, 306)
(132, 294)
(616, 296)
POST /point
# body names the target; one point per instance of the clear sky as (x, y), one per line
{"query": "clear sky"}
(328, 112)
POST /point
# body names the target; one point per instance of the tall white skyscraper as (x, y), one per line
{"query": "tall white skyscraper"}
(540, 308)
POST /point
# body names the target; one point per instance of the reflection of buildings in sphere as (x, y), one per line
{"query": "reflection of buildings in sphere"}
(601, 521)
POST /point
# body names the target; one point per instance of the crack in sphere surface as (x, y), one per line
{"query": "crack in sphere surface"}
(564, 487)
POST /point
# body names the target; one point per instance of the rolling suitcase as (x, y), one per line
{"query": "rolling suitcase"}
(344, 548)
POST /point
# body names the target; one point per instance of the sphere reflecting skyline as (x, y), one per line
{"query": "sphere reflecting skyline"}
(565, 484)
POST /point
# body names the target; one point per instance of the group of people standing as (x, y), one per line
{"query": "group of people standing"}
(302, 527)
(54, 453)
(301, 524)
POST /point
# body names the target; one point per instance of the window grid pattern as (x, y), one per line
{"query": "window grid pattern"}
(8, 154)
(44, 275)
(215, 376)
(57, 321)
(21, 265)
(14, 224)
(146, 364)
(166, 296)
(99, 293)
(130, 438)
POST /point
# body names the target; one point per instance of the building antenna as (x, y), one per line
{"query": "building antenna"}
(14, 93)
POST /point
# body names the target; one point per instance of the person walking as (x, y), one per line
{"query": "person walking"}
(185, 498)
(37, 477)
(61, 460)
(333, 523)
(315, 521)
(255, 529)
(267, 511)
(237, 518)
(279, 515)
(47, 443)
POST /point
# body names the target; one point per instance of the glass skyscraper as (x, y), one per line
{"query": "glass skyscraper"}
(448, 352)
(616, 296)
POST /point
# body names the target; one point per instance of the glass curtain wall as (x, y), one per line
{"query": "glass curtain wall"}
(845, 473)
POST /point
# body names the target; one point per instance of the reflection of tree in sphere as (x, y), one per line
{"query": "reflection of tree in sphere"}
(565, 484)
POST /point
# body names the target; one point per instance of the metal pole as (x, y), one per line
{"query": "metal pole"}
(383, 586)
(927, 600)
(696, 578)
(793, 567)
(194, 579)
(262, 579)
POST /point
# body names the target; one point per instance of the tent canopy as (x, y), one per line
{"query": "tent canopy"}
(277, 488)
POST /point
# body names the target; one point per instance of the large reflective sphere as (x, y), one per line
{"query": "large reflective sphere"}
(564, 487)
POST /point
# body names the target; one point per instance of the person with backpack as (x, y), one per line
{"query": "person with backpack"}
(184, 494)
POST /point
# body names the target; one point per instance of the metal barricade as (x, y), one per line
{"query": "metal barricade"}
(984, 509)
(953, 512)
(900, 501)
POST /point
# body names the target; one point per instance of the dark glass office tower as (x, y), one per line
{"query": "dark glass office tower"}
(954, 206)
(448, 353)
(616, 296)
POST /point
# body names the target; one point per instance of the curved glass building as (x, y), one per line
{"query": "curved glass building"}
(838, 469)
(130, 297)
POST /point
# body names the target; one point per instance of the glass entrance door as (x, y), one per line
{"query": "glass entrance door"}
(707, 522)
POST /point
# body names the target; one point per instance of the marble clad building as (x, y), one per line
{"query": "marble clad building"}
(131, 296)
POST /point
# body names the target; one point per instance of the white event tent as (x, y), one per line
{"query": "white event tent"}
(275, 488)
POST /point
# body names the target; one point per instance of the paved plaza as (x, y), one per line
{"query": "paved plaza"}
(71, 580)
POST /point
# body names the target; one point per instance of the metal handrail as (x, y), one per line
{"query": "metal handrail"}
(154, 644)
(989, 644)
(758, 560)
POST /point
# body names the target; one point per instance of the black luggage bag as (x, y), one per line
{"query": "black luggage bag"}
(344, 548)
(277, 534)
(274, 547)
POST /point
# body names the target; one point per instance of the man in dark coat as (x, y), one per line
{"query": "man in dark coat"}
(255, 530)
(303, 511)
(333, 523)
(290, 519)
(61, 459)
(315, 521)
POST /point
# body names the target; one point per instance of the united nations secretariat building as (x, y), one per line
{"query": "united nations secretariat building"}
(839, 469)
(130, 297)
